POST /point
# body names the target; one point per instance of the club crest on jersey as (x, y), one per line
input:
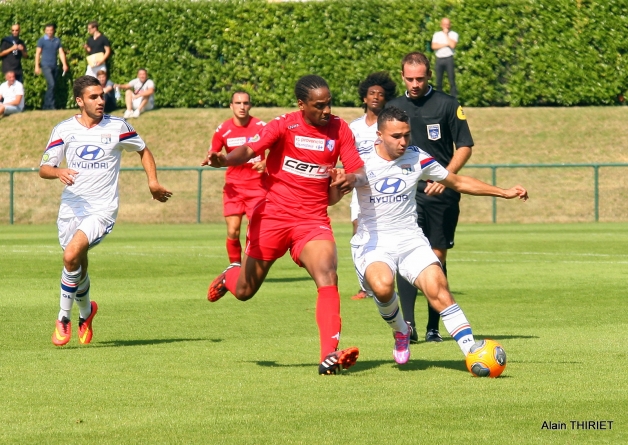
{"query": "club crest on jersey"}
(90, 152)
(330, 144)
(390, 186)
(105, 138)
(433, 132)
(254, 138)
(309, 143)
(406, 169)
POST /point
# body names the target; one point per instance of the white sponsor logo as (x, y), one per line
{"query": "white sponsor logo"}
(236, 142)
(309, 143)
(305, 169)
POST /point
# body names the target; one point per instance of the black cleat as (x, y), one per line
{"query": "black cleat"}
(338, 360)
(433, 336)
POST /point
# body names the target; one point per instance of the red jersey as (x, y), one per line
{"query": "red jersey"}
(299, 161)
(230, 136)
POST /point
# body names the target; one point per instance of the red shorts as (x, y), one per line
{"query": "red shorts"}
(270, 234)
(241, 200)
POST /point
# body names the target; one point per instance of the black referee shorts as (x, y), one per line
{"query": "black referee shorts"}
(437, 216)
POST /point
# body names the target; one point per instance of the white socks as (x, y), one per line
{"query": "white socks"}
(391, 314)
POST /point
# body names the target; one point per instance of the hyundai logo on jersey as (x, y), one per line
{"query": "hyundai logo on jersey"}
(390, 185)
(90, 152)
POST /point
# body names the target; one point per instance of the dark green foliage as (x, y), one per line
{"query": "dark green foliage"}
(534, 52)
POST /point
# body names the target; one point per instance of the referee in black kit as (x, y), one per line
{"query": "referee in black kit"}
(438, 126)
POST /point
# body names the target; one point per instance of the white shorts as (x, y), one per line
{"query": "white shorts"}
(410, 257)
(93, 70)
(93, 226)
(354, 206)
(137, 102)
(11, 109)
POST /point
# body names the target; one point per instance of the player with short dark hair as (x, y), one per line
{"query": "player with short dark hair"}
(439, 127)
(388, 240)
(243, 189)
(374, 91)
(304, 147)
(91, 143)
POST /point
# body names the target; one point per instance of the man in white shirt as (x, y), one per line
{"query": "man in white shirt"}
(377, 89)
(91, 143)
(140, 94)
(388, 237)
(12, 95)
(444, 43)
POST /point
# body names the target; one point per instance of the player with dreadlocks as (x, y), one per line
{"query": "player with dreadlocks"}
(304, 148)
(377, 89)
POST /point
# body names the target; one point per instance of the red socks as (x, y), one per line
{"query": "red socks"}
(231, 279)
(234, 250)
(328, 319)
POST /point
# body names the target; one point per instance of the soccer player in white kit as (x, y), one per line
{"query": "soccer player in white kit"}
(388, 237)
(377, 89)
(91, 144)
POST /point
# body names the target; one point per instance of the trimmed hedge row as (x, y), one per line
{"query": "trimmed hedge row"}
(518, 53)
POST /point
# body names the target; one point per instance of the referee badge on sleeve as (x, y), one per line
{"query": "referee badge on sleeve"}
(433, 132)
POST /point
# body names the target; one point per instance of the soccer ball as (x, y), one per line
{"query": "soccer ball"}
(486, 358)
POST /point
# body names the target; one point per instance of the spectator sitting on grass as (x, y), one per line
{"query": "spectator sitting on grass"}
(142, 98)
(12, 94)
(107, 87)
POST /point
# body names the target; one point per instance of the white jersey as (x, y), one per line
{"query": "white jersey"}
(387, 202)
(95, 153)
(365, 135)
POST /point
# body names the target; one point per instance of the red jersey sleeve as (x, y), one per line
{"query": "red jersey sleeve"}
(270, 134)
(349, 156)
(217, 141)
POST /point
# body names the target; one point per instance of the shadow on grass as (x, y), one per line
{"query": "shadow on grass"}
(365, 365)
(157, 341)
(286, 280)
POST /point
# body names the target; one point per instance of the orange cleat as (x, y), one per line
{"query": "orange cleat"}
(63, 332)
(360, 295)
(85, 326)
(337, 360)
(217, 288)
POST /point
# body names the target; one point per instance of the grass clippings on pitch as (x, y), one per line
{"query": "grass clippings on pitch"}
(166, 366)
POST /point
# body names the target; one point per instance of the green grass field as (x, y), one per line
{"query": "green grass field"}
(166, 366)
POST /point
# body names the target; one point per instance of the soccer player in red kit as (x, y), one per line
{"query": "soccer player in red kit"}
(243, 188)
(304, 147)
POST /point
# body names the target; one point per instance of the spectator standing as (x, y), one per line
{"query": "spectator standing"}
(111, 102)
(12, 51)
(98, 50)
(444, 43)
(48, 47)
(142, 98)
(12, 95)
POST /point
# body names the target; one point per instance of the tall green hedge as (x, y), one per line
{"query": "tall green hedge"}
(527, 52)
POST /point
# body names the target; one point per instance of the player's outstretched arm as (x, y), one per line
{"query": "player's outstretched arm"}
(472, 186)
(335, 193)
(65, 175)
(238, 156)
(348, 181)
(159, 192)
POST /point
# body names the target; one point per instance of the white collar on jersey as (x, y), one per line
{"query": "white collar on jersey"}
(429, 91)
